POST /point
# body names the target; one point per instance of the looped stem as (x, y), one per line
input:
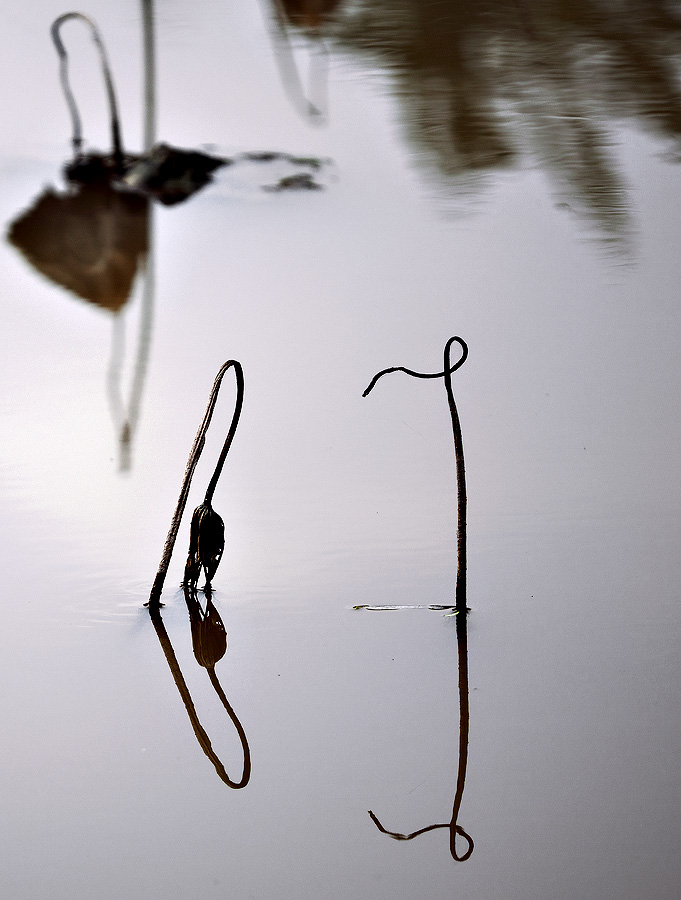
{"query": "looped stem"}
(461, 609)
(453, 828)
(448, 370)
(194, 455)
(116, 142)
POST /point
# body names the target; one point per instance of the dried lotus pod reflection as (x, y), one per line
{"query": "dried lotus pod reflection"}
(206, 544)
(164, 173)
(209, 641)
(209, 638)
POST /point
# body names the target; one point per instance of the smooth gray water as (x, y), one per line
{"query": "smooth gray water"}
(507, 175)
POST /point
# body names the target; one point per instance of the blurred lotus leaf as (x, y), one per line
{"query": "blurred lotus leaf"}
(206, 544)
(89, 239)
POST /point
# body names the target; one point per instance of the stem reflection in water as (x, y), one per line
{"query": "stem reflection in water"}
(210, 643)
(461, 609)
(116, 141)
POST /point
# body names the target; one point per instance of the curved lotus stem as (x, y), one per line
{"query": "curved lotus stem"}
(199, 731)
(195, 453)
(461, 623)
(458, 452)
(117, 147)
(454, 829)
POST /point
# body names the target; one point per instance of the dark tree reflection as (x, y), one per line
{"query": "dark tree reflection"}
(485, 84)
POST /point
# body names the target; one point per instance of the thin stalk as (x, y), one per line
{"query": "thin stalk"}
(194, 455)
(461, 619)
(230, 434)
(460, 476)
(116, 141)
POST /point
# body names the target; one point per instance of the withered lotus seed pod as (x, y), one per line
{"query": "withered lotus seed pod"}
(206, 544)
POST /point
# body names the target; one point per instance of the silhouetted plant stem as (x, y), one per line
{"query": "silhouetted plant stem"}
(116, 142)
(230, 434)
(458, 452)
(194, 455)
(460, 476)
(461, 620)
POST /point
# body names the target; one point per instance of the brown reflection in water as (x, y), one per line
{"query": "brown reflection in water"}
(210, 642)
(487, 84)
(308, 13)
(94, 237)
(95, 241)
(91, 239)
(460, 600)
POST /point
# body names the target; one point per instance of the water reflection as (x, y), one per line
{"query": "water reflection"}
(94, 236)
(460, 604)
(210, 643)
(167, 174)
(90, 239)
(484, 85)
(96, 242)
(464, 720)
(126, 415)
(308, 15)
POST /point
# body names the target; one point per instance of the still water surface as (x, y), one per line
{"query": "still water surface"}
(503, 172)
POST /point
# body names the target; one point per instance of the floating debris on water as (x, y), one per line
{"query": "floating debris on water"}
(301, 182)
(437, 606)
